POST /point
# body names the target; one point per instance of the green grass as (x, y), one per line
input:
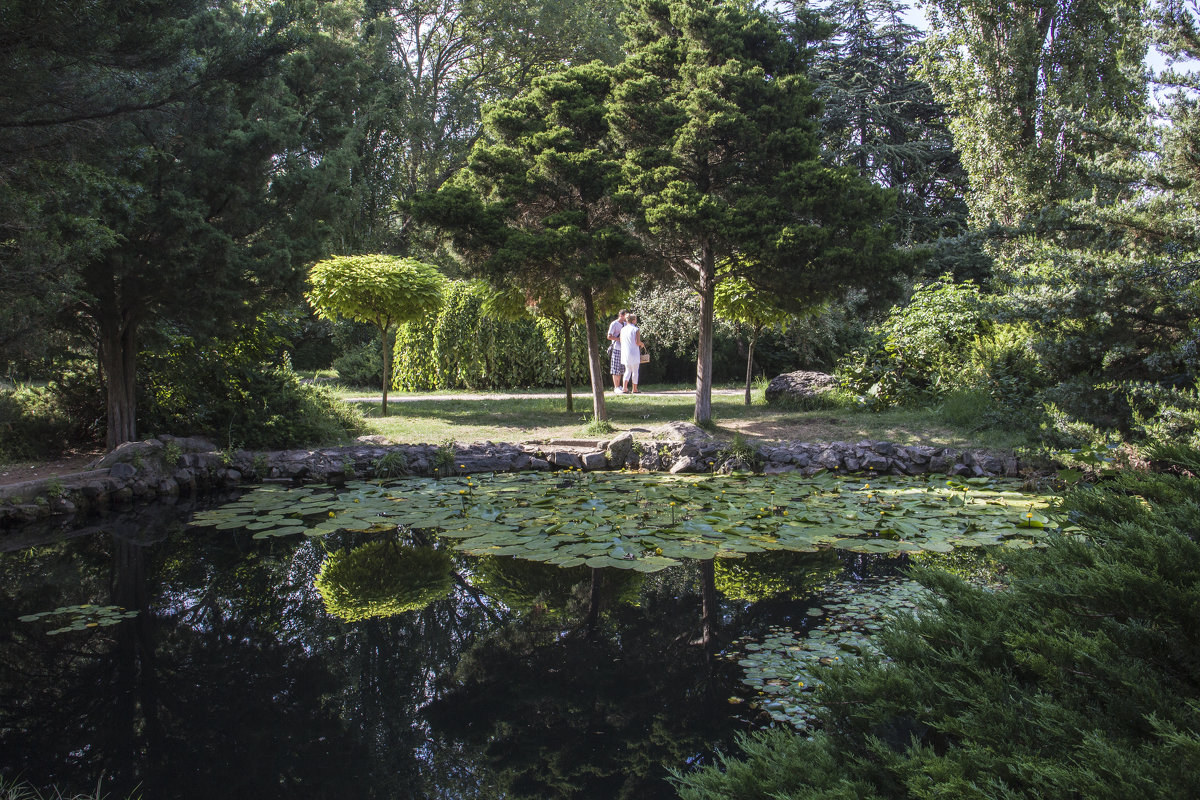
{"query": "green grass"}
(539, 415)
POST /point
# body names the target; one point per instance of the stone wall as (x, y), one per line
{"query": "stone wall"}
(169, 466)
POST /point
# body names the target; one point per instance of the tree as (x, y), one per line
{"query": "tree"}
(736, 300)
(381, 290)
(1012, 78)
(719, 127)
(433, 66)
(534, 208)
(207, 184)
(883, 121)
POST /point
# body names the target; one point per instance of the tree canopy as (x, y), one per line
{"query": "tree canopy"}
(719, 127)
(381, 290)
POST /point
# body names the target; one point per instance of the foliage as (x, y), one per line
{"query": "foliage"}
(884, 121)
(23, 790)
(1012, 78)
(535, 209)
(361, 365)
(1078, 679)
(1164, 414)
(430, 66)
(648, 523)
(382, 579)
(921, 346)
(381, 290)
(462, 347)
(390, 465)
(718, 123)
(736, 300)
(204, 183)
(33, 424)
(236, 393)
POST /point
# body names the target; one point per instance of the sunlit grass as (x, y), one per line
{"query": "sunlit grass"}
(540, 415)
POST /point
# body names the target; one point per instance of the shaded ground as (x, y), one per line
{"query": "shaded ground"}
(20, 471)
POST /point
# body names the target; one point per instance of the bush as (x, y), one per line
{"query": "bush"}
(34, 424)
(920, 349)
(228, 392)
(1079, 679)
(462, 348)
(361, 365)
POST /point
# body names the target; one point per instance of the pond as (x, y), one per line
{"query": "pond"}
(540, 636)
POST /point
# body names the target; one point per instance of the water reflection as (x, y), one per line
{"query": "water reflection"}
(234, 681)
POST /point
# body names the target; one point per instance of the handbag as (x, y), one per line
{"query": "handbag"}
(645, 356)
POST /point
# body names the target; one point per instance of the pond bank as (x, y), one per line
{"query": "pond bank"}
(171, 466)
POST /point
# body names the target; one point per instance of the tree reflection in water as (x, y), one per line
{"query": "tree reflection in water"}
(233, 681)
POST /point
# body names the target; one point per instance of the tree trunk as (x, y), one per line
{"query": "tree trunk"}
(750, 360)
(593, 344)
(709, 608)
(707, 285)
(387, 368)
(566, 328)
(118, 359)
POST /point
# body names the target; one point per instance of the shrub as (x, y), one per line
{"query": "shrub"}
(361, 365)
(1078, 679)
(920, 348)
(230, 393)
(463, 348)
(33, 424)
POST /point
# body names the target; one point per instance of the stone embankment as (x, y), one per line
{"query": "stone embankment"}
(170, 466)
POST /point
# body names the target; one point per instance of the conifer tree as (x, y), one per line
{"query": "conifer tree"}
(885, 122)
(718, 124)
(534, 207)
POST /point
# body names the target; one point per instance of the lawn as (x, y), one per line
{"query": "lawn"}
(540, 415)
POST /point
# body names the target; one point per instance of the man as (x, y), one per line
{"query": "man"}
(614, 362)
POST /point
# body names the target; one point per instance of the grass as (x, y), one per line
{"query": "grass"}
(540, 415)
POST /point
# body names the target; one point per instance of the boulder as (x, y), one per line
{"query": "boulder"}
(619, 450)
(797, 388)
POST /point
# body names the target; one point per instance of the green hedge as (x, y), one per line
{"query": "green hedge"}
(463, 348)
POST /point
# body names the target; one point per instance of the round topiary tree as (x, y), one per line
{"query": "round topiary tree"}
(378, 289)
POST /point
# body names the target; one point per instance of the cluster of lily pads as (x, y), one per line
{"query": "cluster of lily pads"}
(780, 668)
(80, 617)
(651, 522)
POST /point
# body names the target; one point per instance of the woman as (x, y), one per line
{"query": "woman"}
(631, 352)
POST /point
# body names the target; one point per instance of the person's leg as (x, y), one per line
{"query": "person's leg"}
(614, 366)
(633, 376)
(628, 370)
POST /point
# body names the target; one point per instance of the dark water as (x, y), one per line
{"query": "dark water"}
(233, 681)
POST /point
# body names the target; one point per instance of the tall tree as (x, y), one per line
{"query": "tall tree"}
(535, 205)
(882, 120)
(1014, 75)
(434, 65)
(208, 187)
(719, 125)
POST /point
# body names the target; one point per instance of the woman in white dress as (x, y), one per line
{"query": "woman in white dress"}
(631, 352)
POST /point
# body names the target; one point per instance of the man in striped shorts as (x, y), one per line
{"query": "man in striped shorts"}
(615, 367)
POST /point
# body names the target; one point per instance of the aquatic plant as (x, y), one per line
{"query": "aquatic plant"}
(650, 522)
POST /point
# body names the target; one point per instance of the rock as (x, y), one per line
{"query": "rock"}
(122, 471)
(565, 458)
(619, 450)
(798, 387)
(376, 439)
(594, 461)
(684, 464)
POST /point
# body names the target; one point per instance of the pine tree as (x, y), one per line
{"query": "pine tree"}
(719, 128)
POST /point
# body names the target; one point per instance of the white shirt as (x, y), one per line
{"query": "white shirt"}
(630, 352)
(615, 328)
